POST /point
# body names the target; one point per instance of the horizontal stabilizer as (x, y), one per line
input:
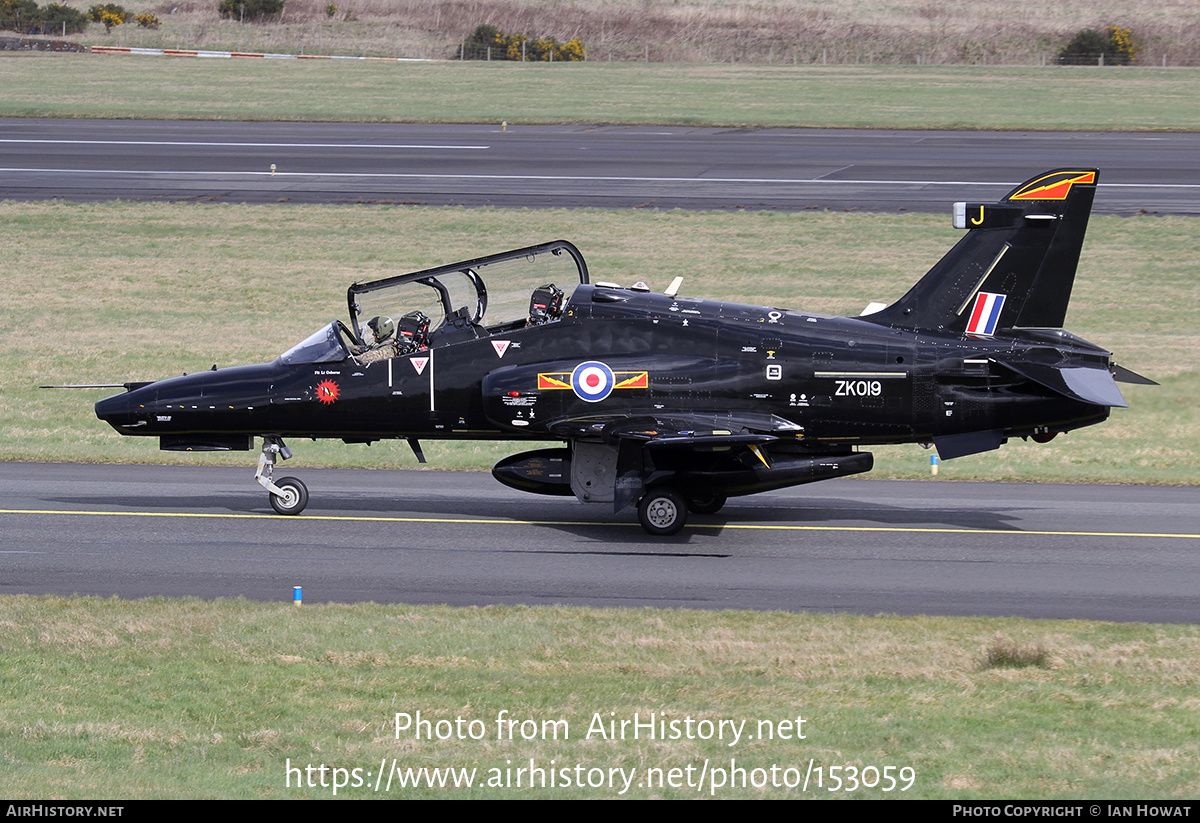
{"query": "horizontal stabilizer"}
(1089, 385)
(1124, 375)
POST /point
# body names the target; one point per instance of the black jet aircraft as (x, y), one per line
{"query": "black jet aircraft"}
(667, 402)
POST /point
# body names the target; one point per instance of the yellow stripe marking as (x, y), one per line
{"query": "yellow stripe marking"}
(494, 522)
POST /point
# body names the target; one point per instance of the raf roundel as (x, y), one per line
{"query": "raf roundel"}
(592, 381)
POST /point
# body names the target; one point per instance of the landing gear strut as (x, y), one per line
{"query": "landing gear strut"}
(289, 495)
(706, 505)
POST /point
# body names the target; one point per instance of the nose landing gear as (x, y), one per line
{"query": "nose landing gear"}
(289, 495)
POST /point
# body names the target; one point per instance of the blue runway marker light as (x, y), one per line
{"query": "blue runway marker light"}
(297, 595)
(933, 464)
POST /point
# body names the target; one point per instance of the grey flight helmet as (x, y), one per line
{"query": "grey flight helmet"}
(381, 327)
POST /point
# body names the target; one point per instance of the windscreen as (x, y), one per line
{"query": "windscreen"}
(325, 345)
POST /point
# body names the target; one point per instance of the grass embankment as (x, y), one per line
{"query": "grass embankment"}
(911, 97)
(116, 291)
(806, 31)
(112, 699)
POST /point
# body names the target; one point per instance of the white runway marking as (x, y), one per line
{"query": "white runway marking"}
(566, 178)
(245, 145)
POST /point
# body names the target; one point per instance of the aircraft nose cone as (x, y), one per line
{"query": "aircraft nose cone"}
(224, 400)
(111, 407)
(121, 410)
(108, 407)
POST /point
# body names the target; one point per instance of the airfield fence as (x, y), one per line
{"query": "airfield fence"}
(622, 55)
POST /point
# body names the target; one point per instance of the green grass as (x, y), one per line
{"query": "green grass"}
(937, 97)
(184, 698)
(116, 291)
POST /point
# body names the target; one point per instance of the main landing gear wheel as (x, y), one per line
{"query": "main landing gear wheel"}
(662, 512)
(294, 497)
(707, 505)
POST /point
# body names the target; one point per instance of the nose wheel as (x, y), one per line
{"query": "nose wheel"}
(289, 495)
(292, 496)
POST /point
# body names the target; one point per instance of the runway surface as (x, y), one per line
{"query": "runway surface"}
(577, 166)
(866, 546)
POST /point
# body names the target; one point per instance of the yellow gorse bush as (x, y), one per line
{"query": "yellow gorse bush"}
(489, 43)
(1123, 43)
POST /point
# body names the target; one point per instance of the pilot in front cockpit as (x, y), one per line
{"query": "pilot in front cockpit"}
(383, 346)
(391, 338)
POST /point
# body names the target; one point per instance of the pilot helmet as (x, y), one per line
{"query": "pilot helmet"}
(381, 327)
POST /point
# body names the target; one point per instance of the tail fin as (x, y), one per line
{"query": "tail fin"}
(1014, 268)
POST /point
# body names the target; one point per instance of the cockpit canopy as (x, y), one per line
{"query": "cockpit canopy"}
(491, 294)
(476, 298)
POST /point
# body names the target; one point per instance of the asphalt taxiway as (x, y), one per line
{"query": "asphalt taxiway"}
(580, 165)
(1122, 553)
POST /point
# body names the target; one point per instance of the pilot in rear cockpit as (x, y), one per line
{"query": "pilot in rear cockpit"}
(412, 332)
(545, 305)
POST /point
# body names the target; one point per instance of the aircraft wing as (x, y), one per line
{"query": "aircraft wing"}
(676, 429)
(651, 445)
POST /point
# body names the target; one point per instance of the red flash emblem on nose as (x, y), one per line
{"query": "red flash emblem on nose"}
(327, 391)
